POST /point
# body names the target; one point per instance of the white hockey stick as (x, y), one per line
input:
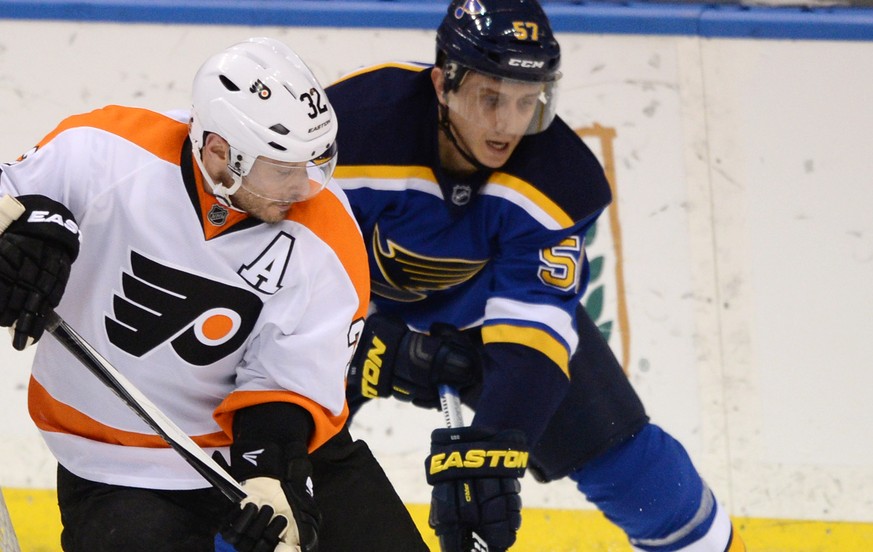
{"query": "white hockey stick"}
(8, 540)
(450, 402)
(451, 405)
(10, 210)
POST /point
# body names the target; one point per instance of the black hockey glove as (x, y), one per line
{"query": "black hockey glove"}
(278, 481)
(392, 359)
(253, 529)
(475, 487)
(36, 253)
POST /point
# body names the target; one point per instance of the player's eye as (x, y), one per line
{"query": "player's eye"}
(491, 100)
(527, 102)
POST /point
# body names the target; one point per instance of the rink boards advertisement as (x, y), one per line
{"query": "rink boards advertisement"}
(732, 273)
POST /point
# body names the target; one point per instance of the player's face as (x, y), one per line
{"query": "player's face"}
(491, 115)
(270, 187)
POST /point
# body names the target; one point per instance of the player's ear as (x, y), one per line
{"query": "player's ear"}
(438, 77)
(217, 147)
(215, 154)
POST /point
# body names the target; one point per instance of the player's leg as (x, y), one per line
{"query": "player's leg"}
(649, 487)
(360, 509)
(639, 476)
(97, 517)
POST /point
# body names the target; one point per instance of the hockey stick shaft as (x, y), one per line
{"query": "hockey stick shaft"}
(8, 540)
(144, 408)
(451, 406)
(450, 402)
(10, 209)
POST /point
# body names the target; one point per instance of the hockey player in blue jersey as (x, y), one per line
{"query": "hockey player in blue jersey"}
(474, 200)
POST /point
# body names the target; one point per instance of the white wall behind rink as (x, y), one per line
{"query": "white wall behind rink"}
(744, 192)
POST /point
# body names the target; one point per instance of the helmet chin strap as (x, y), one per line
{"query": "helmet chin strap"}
(220, 191)
(446, 127)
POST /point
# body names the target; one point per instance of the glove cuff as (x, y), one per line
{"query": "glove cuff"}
(467, 453)
(47, 220)
(250, 459)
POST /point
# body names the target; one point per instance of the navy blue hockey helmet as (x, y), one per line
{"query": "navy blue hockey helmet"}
(509, 40)
(503, 38)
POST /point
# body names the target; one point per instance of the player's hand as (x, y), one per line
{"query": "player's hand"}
(475, 477)
(36, 253)
(278, 481)
(391, 359)
(253, 529)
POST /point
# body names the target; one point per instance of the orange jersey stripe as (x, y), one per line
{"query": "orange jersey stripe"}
(54, 416)
(151, 131)
(326, 217)
(326, 424)
(157, 134)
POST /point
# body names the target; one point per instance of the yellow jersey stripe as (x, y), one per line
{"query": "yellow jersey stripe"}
(537, 197)
(385, 171)
(395, 64)
(529, 337)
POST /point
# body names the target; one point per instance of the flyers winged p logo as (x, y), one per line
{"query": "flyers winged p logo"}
(202, 319)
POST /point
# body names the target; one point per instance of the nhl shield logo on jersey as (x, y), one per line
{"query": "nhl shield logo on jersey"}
(202, 319)
(461, 194)
(217, 215)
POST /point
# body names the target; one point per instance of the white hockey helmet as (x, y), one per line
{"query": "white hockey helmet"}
(265, 102)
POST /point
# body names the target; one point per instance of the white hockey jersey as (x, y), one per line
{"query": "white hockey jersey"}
(204, 309)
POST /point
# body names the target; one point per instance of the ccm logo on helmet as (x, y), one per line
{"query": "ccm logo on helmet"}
(526, 63)
(478, 458)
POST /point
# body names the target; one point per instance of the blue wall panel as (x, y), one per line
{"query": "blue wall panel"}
(650, 18)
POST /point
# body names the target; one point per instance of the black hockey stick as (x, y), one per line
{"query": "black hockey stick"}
(144, 408)
(450, 402)
(10, 210)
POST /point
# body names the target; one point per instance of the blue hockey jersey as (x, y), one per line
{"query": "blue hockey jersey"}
(502, 250)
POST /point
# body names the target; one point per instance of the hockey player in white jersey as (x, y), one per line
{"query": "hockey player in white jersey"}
(219, 268)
